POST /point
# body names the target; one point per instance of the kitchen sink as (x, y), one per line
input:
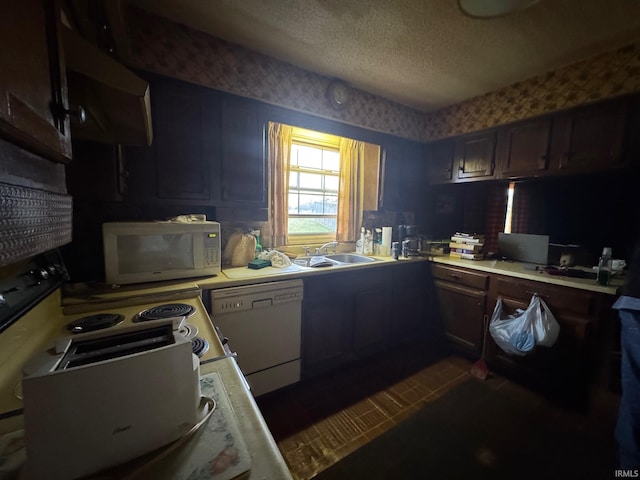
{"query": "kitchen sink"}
(333, 260)
(350, 258)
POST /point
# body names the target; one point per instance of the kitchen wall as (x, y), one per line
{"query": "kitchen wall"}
(608, 75)
(164, 47)
(167, 48)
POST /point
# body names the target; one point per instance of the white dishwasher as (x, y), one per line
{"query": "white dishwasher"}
(263, 324)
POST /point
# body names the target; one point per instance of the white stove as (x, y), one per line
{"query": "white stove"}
(52, 316)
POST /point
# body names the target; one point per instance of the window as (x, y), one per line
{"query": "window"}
(314, 180)
(509, 213)
(320, 185)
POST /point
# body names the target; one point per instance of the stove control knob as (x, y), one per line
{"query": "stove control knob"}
(3, 301)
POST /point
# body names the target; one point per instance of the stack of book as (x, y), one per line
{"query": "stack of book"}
(467, 246)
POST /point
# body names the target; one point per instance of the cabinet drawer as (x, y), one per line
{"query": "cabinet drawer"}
(461, 277)
(559, 299)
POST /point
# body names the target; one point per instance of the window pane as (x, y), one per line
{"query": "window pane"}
(310, 204)
(331, 183)
(293, 179)
(309, 157)
(294, 155)
(293, 203)
(331, 160)
(331, 204)
(311, 181)
(308, 226)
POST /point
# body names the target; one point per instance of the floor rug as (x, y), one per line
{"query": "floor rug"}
(475, 431)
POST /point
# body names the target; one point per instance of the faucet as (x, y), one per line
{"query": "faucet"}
(326, 246)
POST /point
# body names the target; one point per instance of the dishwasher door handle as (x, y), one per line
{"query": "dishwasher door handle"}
(267, 302)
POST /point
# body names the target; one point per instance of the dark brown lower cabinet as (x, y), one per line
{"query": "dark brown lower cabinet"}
(325, 334)
(462, 310)
(569, 369)
(352, 315)
(461, 301)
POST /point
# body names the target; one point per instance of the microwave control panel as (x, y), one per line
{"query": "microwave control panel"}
(211, 249)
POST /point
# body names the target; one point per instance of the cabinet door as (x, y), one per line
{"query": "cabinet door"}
(244, 164)
(524, 148)
(474, 155)
(33, 83)
(592, 137)
(403, 176)
(462, 310)
(440, 162)
(372, 313)
(410, 303)
(562, 370)
(185, 141)
(325, 333)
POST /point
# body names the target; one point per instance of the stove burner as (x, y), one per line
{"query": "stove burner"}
(95, 322)
(199, 346)
(189, 331)
(168, 310)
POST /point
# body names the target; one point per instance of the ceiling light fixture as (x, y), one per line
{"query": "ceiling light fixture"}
(493, 8)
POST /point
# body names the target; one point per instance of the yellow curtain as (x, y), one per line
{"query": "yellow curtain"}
(279, 158)
(351, 197)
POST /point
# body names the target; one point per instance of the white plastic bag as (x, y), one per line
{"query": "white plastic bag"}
(521, 332)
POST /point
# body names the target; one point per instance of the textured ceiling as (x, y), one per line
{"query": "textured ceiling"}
(422, 53)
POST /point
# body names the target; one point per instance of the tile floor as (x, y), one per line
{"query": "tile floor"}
(315, 424)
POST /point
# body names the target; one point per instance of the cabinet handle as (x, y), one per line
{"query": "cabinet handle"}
(453, 275)
(77, 111)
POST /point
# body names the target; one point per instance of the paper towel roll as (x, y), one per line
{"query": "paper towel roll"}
(386, 241)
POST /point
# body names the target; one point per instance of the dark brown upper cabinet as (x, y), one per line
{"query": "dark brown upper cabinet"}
(474, 155)
(33, 91)
(590, 138)
(523, 149)
(244, 166)
(179, 165)
(185, 143)
(440, 161)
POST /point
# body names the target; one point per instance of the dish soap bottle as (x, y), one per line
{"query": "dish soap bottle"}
(256, 233)
(604, 267)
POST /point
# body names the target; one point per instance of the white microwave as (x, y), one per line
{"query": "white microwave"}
(137, 252)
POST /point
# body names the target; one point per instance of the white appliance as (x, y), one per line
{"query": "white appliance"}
(99, 399)
(137, 252)
(264, 322)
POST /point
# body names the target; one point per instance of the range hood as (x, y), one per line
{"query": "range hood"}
(115, 100)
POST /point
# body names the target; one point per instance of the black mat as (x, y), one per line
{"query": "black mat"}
(476, 432)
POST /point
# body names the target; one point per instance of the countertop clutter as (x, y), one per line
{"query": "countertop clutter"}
(531, 272)
(35, 331)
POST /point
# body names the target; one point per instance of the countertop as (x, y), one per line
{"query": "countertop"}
(266, 459)
(519, 270)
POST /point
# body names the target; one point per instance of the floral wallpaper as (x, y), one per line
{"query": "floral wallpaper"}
(167, 48)
(604, 76)
(162, 46)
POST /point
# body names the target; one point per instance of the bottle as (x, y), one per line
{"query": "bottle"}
(604, 267)
(256, 233)
(360, 243)
(367, 246)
